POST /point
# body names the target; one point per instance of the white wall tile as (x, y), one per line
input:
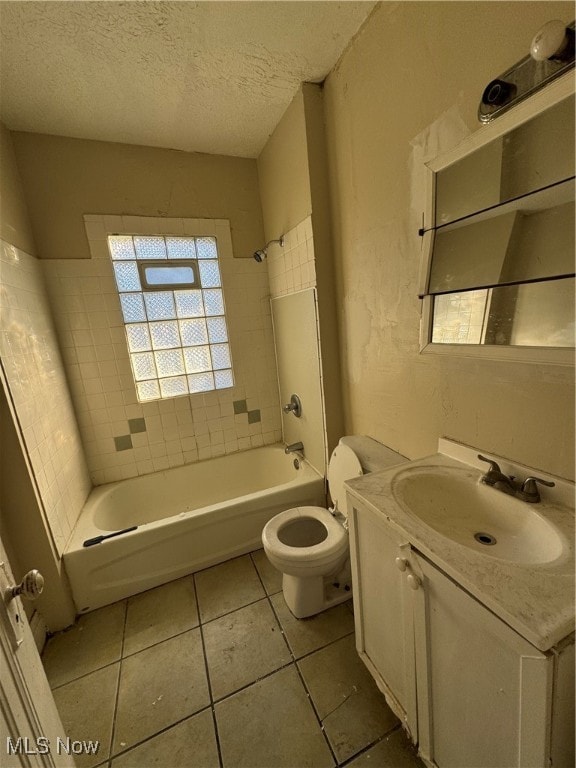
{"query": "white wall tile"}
(291, 268)
(90, 327)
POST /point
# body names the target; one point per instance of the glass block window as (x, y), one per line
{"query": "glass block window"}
(173, 307)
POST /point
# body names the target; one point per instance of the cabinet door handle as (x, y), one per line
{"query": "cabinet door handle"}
(401, 563)
(414, 581)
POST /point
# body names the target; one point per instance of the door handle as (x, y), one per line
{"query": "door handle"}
(30, 587)
(413, 581)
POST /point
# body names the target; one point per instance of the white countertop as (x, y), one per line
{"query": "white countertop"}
(537, 600)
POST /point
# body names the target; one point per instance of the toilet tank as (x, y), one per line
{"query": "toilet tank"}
(372, 455)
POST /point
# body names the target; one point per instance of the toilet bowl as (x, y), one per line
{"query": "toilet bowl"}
(309, 545)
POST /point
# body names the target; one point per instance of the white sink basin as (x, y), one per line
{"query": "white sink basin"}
(454, 503)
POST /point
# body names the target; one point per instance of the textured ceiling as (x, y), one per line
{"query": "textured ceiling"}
(198, 76)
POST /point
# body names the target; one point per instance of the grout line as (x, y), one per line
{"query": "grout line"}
(268, 597)
(129, 748)
(239, 608)
(214, 721)
(85, 674)
(159, 642)
(369, 746)
(313, 705)
(323, 647)
(113, 730)
(253, 682)
(293, 663)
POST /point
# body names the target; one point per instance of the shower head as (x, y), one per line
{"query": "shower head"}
(262, 253)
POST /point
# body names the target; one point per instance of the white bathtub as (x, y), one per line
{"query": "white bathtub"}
(188, 518)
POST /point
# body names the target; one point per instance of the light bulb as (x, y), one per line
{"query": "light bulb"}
(549, 40)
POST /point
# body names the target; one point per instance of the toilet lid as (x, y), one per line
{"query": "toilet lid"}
(344, 465)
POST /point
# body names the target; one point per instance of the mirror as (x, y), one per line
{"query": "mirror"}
(501, 261)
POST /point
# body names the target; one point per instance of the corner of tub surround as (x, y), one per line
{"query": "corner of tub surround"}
(39, 390)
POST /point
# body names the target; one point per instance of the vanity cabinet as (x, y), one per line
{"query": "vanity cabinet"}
(383, 612)
(468, 688)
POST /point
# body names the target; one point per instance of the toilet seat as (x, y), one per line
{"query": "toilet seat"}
(343, 465)
(333, 546)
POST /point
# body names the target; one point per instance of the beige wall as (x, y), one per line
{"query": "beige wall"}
(14, 222)
(324, 254)
(294, 189)
(65, 178)
(415, 73)
(283, 173)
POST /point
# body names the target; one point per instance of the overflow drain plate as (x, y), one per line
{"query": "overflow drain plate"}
(485, 538)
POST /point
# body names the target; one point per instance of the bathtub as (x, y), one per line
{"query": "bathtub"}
(187, 518)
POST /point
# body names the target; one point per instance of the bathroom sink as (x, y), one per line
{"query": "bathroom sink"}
(455, 504)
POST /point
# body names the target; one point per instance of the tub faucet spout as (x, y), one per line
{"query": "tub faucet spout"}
(294, 448)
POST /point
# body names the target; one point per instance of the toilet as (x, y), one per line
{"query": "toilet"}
(309, 545)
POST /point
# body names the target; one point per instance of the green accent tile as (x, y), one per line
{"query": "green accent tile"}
(240, 406)
(254, 417)
(136, 425)
(123, 443)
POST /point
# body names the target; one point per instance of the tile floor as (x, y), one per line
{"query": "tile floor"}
(213, 671)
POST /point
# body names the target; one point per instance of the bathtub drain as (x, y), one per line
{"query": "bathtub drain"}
(485, 538)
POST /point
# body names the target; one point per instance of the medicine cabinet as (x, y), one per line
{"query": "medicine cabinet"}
(497, 274)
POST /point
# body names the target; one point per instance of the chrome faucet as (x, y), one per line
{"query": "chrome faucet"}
(526, 491)
(529, 491)
(496, 478)
(294, 448)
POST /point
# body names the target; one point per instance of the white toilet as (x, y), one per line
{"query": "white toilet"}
(309, 545)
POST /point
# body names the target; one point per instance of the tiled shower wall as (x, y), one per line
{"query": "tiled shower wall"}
(292, 267)
(292, 270)
(123, 438)
(37, 384)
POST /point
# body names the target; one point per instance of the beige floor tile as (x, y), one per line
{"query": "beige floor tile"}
(307, 635)
(94, 641)
(160, 613)
(86, 707)
(228, 586)
(394, 751)
(271, 725)
(242, 647)
(271, 578)
(159, 686)
(191, 744)
(352, 709)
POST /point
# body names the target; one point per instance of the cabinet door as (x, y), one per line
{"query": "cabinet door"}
(488, 689)
(383, 611)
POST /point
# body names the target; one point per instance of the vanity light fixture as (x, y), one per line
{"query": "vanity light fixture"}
(551, 55)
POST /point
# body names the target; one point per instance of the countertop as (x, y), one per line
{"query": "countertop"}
(537, 600)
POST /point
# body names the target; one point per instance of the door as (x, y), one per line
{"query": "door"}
(384, 611)
(488, 690)
(31, 732)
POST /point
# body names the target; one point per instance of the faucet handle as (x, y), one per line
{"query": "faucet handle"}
(294, 406)
(493, 465)
(530, 489)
